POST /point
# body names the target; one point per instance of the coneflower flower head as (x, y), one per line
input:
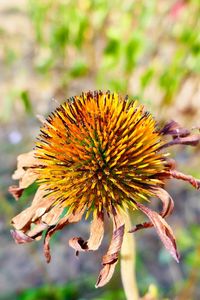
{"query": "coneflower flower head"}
(98, 153)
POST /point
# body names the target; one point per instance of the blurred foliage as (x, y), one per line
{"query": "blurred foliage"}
(113, 43)
(123, 31)
(126, 46)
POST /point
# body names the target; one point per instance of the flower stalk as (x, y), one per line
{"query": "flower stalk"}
(128, 258)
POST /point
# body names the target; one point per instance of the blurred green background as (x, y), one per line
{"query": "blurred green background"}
(53, 49)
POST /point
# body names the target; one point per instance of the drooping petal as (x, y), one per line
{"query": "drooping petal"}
(25, 172)
(168, 205)
(15, 191)
(37, 231)
(96, 236)
(41, 204)
(70, 218)
(110, 259)
(20, 237)
(174, 129)
(191, 140)
(163, 229)
(51, 217)
(180, 135)
(178, 175)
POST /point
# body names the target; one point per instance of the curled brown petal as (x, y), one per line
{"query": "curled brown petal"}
(32, 213)
(168, 205)
(191, 140)
(163, 229)
(20, 237)
(15, 191)
(178, 175)
(96, 236)
(71, 218)
(25, 169)
(180, 135)
(174, 129)
(111, 257)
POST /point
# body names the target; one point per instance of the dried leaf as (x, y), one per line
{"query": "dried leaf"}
(96, 236)
(71, 218)
(110, 259)
(163, 229)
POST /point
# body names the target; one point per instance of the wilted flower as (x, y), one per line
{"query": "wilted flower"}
(98, 154)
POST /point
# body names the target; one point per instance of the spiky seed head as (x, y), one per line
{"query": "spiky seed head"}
(99, 149)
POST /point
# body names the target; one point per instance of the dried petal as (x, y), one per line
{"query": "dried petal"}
(52, 217)
(168, 205)
(36, 232)
(40, 193)
(191, 140)
(20, 237)
(174, 129)
(163, 229)
(96, 236)
(24, 173)
(110, 259)
(15, 191)
(32, 213)
(180, 135)
(71, 218)
(178, 175)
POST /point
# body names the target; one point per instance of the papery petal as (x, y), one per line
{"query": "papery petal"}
(35, 211)
(25, 173)
(20, 237)
(178, 175)
(168, 205)
(37, 231)
(15, 191)
(110, 259)
(70, 218)
(191, 140)
(180, 135)
(52, 217)
(174, 129)
(163, 229)
(96, 236)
